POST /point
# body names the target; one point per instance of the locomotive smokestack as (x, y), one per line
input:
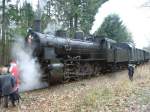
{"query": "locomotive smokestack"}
(37, 25)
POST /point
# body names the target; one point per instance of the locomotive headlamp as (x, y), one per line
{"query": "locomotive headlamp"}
(30, 39)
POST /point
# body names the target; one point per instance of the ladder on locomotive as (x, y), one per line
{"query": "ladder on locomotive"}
(70, 67)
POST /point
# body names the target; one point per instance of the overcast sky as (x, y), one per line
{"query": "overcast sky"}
(134, 16)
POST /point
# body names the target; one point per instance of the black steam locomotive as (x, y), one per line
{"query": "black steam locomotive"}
(81, 57)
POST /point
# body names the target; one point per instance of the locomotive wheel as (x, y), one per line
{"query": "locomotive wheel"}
(97, 70)
(88, 70)
(49, 79)
(65, 80)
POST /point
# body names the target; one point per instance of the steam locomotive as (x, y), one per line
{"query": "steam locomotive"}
(80, 57)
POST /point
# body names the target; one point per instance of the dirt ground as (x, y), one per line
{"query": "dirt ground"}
(113, 92)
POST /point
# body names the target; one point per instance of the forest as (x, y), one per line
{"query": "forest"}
(69, 15)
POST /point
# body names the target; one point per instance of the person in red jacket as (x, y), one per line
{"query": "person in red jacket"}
(14, 70)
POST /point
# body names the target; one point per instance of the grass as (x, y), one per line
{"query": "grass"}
(106, 98)
(109, 93)
(119, 94)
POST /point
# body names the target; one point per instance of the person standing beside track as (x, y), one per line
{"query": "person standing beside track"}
(7, 84)
(14, 70)
(131, 71)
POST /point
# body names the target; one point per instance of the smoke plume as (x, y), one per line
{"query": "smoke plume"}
(30, 74)
(52, 27)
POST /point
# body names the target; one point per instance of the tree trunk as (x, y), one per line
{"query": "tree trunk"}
(17, 8)
(49, 8)
(3, 33)
(76, 22)
(71, 25)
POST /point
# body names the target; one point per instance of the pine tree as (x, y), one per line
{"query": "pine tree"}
(113, 28)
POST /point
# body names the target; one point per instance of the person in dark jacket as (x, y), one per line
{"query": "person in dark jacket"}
(7, 84)
(131, 71)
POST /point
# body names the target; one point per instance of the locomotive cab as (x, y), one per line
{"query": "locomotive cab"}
(107, 43)
(131, 51)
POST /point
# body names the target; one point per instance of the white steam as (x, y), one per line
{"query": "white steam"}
(133, 14)
(51, 28)
(30, 74)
